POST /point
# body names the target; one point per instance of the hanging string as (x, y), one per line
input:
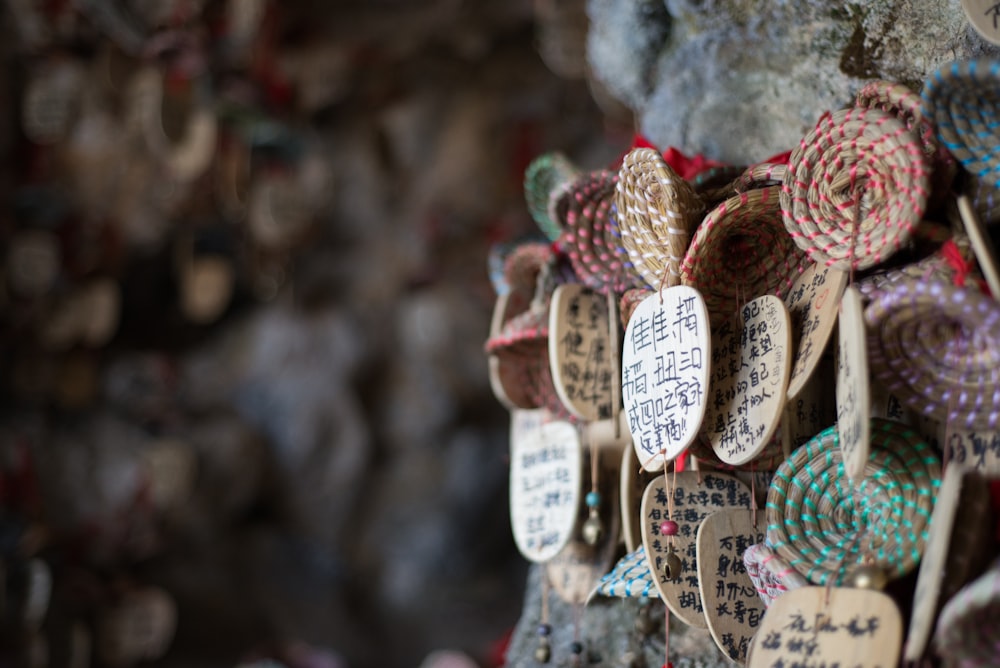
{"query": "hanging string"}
(753, 494)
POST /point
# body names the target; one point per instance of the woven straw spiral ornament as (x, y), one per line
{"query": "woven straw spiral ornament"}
(822, 523)
(741, 251)
(962, 100)
(544, 176)
(855, 188)
(903, 103)
(936, 346)
(583, 210)
(656, 211)
(967, 634)
(771, 575)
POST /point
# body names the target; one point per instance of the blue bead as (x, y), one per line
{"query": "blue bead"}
(593, 499)
(544, 630)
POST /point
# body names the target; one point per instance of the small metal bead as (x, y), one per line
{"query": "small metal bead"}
(668, 528)
(867, 576)
(672, 566)
(543, 653)
(593, 499)
(592, 530)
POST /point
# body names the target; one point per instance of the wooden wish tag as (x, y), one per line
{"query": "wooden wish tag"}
(751, 364)
(957, 549)
(580, 352)
(816, 627)
(733, 610)
(813, 303)
(968, 448)
(665, 370)
(684, 499)
(812, 410)
(545, 483)
(853, 387)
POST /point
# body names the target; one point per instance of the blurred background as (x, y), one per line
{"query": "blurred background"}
(243, 296)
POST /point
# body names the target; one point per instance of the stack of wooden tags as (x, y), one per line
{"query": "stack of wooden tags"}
(820, 328)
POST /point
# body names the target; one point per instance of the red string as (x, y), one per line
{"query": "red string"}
(962, 267)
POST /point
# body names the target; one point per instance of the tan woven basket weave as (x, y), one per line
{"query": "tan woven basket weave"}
(903, 103)
(937, 347)
(855, 188)
(741, 251)
(822, 524)
(657, 211)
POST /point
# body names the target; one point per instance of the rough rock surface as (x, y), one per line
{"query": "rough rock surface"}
(739, 80)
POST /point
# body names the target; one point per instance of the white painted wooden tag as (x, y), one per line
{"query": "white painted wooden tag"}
(733, 609)
(981, 246)
(580, 352)
(853, 386)
(954, 547)
(813, 302)
(855, 628)
(984, 15)
(693, 502)
(750, 370)
(545, 483)
(665, 370)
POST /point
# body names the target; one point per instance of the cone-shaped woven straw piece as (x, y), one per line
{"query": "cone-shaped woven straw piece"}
(859, 175)
(936, 346)
(962, 100)
(546, 174)
(657, 211)
(823, 524)
(741, 251)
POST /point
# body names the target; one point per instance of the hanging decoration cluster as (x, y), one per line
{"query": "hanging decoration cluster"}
(821, 328)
